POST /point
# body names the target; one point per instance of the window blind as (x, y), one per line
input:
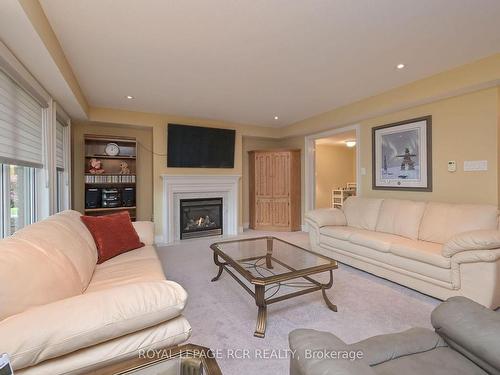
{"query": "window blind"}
(59, 145)
(21, 138)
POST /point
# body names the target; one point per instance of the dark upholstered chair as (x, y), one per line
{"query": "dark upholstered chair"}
(466, 341)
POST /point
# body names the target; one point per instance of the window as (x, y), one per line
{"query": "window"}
(34, 149)
(19, 189)
(21, 154)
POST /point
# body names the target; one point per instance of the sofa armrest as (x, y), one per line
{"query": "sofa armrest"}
(313, 352)
(327, 216)
(472, 240)
(146, 231)
(70, 324)
(383, 348)
(471, 329)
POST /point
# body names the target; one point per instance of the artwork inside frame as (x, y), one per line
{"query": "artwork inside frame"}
(402, 155)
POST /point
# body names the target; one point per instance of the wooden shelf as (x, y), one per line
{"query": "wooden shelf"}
(95, 146)
(110, 183)
(109, 209)
(110, 157)
(107, 139)
(109, 174)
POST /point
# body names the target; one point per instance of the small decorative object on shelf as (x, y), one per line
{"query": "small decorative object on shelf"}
(112, 149)
(124, 169)
(96, 166)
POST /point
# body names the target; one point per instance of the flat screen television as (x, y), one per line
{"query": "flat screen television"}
(199, 147)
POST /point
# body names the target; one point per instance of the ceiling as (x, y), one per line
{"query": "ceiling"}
(337, 139)
(248, 61)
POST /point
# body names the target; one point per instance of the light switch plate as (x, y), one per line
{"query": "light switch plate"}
(363, 171)
(475, 165)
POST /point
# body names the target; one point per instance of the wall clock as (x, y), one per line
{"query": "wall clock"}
(112, 149)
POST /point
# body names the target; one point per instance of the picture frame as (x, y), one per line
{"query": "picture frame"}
(402, 155)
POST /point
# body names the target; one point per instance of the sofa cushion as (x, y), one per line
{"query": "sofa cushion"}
(333, 248)
(441, 221)
(401, 217)
(114, 234)
(88, 319)
(422, 251)
(340, 233)
(374, 240)
(135, 266)
(362, 212)
(85, 361)
(327, 216)
(65, 234)
(32, 276)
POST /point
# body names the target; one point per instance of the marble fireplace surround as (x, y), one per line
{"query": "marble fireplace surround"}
(177, 187)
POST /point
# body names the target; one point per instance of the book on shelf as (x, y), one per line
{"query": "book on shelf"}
(109, 179)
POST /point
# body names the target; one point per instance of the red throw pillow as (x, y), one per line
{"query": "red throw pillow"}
(113, 234)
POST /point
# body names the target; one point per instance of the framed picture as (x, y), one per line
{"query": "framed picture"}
(402, 155)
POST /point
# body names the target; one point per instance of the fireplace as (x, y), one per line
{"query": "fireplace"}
(200, 217)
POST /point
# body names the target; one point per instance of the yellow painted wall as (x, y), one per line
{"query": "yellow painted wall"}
(463, 128)
(481, 74)
(158, 123)
(335, 167)
(144, 138)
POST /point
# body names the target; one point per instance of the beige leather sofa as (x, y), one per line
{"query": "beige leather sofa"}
(61, 313)
(440, 249)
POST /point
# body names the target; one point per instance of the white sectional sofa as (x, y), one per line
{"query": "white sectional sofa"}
(440, 249)
(61, 313)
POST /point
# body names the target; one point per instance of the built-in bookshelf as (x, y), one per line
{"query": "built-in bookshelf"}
(110, 175)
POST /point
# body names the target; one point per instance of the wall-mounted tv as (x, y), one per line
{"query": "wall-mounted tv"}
(199, 147)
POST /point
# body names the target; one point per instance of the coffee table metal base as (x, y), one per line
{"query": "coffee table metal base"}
(259, 293)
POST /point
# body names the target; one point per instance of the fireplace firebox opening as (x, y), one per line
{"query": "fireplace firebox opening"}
(200, 217)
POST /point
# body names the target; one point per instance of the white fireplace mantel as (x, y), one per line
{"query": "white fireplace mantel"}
(177, 187)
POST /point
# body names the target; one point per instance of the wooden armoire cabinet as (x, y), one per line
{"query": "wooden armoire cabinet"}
(275, 190)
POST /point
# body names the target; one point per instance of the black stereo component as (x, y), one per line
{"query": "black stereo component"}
(111, 197)
(92, 198)
(128, 196)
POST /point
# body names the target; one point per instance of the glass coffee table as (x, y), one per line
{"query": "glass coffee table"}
(274, 269)
(185, 359)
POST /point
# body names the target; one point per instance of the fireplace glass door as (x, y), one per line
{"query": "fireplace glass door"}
(200, 217)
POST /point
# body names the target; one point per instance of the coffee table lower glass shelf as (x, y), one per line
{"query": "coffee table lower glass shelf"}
(185, 359)
(272, 270)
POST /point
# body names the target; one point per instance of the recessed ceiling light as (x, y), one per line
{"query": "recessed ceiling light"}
(350, 143)
(130, 97)
(400, 66)
(276, 117)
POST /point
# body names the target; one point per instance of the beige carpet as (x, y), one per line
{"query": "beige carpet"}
(223, 315)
